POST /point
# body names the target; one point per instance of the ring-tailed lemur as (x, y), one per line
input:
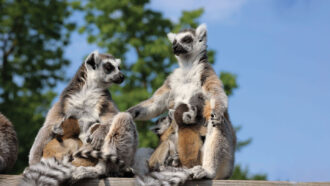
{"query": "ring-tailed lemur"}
(86, 98)
(8, 144)
(196, 76)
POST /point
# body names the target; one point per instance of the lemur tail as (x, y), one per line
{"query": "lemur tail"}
(100, 155)
(168, 176)
(48, 172)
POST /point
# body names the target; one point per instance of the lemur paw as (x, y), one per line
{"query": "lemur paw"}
(197, 172)
(58, 130)
(216, 119)
(96, 138)
(189, 117)
(172, 160)
(134, 111)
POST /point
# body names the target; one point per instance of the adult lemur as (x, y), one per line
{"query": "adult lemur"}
(88, 99)
(196, 76)
(8, 144)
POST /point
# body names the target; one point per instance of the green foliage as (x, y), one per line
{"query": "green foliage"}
(230, 82)
(243, 174)
(32, 35)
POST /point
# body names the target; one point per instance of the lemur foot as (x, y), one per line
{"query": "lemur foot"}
(58, 130)
(197, 172)
(172, 160)
(96, 136)
(189, 117)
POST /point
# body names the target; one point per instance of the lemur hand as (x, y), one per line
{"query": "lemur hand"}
(216, 119)
(96, 137)
(172, 160)
(58, 129)
(134, 111)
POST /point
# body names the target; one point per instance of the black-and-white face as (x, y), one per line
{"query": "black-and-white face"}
(188, 41)
(161, 125)
(104, 68)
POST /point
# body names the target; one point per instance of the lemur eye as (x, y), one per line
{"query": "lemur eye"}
(187, 39)
(108, 68)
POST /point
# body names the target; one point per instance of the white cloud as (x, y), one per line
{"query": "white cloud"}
(215, 10)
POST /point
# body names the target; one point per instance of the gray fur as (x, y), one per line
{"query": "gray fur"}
(8, 144)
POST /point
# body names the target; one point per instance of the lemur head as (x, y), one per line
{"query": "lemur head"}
(189, 42)
(103, 68)
(161, 125)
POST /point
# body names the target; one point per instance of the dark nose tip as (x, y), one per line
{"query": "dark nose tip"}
(121, 76)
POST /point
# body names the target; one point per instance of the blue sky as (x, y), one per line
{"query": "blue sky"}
(280, 51)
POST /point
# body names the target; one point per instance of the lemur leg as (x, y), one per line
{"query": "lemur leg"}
(122, 138)
(218, 152)
(153, 106)
(53, 118)
(211, 155)
(218, 98)
(97, 133)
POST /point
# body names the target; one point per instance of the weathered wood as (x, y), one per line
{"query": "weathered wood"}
(8, 180)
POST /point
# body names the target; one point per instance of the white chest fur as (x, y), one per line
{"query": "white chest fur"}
(185, 82)
(85, 105)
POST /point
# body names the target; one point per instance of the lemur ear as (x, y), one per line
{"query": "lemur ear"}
(118, 61)
(91, 60)
(171, 36)
(201, 31)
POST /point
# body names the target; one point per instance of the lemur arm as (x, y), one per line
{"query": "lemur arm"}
(54, 117)
(153, 106)
(218, 98)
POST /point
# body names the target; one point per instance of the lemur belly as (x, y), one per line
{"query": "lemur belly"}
(85, 105)
(185, 84)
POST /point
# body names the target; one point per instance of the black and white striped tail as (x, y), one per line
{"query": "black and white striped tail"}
(95, 154)
(50, 172)
(167, 177)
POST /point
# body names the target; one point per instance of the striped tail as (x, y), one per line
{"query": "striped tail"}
(95, 154)
(48, 172)
(168, 176)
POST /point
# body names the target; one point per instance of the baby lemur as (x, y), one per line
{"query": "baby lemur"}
(8, 144)
(166, 152)
(195, 76)
(67, 144)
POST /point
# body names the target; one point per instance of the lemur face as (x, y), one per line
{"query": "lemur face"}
(188, 41)
(104, 68)
(161, 125)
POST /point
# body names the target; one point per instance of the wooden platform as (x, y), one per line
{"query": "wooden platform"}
(8, 180)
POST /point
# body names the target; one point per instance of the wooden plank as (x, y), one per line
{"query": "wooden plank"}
(8, 180)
